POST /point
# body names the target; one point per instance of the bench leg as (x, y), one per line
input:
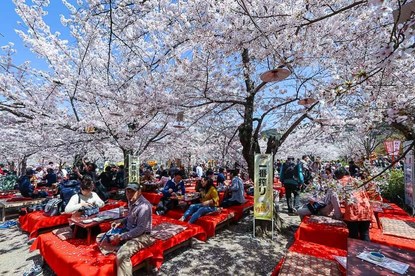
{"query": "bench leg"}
(3, 214)
(89, 230)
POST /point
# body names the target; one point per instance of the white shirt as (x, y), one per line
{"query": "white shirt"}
(74, 206)
(199, 171)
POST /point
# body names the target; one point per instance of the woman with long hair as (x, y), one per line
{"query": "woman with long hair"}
(209, 202)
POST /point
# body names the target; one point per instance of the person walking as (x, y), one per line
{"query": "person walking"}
(292, 179)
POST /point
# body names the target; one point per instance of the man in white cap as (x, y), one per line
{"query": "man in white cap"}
(138, 229)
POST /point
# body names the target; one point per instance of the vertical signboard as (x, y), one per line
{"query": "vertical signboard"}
(133, 169)
(263, 194)
(409, 176)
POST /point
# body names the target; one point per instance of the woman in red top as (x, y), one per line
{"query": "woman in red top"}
(358, 211)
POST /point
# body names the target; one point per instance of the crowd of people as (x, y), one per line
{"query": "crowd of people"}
(82, 187)
(314, 178)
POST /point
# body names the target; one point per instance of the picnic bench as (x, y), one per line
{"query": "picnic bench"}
(6, 204)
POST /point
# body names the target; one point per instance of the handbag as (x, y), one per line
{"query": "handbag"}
(89, 211)
(315, 207)
(52, 207)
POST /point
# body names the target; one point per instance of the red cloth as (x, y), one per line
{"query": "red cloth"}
(313, 249)
(277, 268)
(207, 222)
(152, 197)
(377, 236)
(327, 235)
(8, 194)
(19, 198)
(238, 209)
(395, 210)
(74, 257)
(317, 250)
(190, 232)
(33, 222)
(190, 189)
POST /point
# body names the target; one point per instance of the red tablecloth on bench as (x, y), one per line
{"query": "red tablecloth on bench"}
(327, 235)
(33, 222)
(377, 236)
(394, 210)
(154, 198)
(74, 257)
(238, 210)
(207, 222)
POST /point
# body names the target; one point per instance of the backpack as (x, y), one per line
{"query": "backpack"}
(307, 175)
(52, 207)
(290, 171)
(101, 191)
(68, 189)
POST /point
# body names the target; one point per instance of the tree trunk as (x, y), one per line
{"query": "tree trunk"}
(23, 166)
(126, 153)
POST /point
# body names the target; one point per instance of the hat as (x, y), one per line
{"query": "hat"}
(30, 171)
(133, 186)
(290, 157)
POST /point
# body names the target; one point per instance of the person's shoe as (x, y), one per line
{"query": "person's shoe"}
(181, 219)
(160, 213)
(34, 271)
(30, 241)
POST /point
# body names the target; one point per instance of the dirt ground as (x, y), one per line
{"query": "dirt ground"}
(233, 251)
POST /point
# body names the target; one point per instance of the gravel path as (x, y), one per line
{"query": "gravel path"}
(233, 251)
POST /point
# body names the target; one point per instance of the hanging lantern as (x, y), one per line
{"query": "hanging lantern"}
(275, 75)
(179, 120)
(307, 101)
(90, 129)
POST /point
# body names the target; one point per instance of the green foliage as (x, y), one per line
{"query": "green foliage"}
(7, 182)
(395, 187)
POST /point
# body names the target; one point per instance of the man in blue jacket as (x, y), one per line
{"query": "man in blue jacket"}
(26, 188)
(173, 188)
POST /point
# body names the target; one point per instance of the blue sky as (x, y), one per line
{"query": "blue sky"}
(10, 22)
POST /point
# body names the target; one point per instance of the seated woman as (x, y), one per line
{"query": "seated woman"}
(328, 202)
(209, 202)
(322, 207)
(86, 198)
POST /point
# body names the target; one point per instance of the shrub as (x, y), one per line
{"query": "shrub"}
(395, 190)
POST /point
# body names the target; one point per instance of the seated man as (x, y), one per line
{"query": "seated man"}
(209, 202)
(50, 177)
(136, 234)
(26, 188)
(174, 187)
(220, 180)
(234, 194)
(322, 207)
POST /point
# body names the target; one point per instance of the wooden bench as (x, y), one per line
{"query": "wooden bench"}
(4, 205)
